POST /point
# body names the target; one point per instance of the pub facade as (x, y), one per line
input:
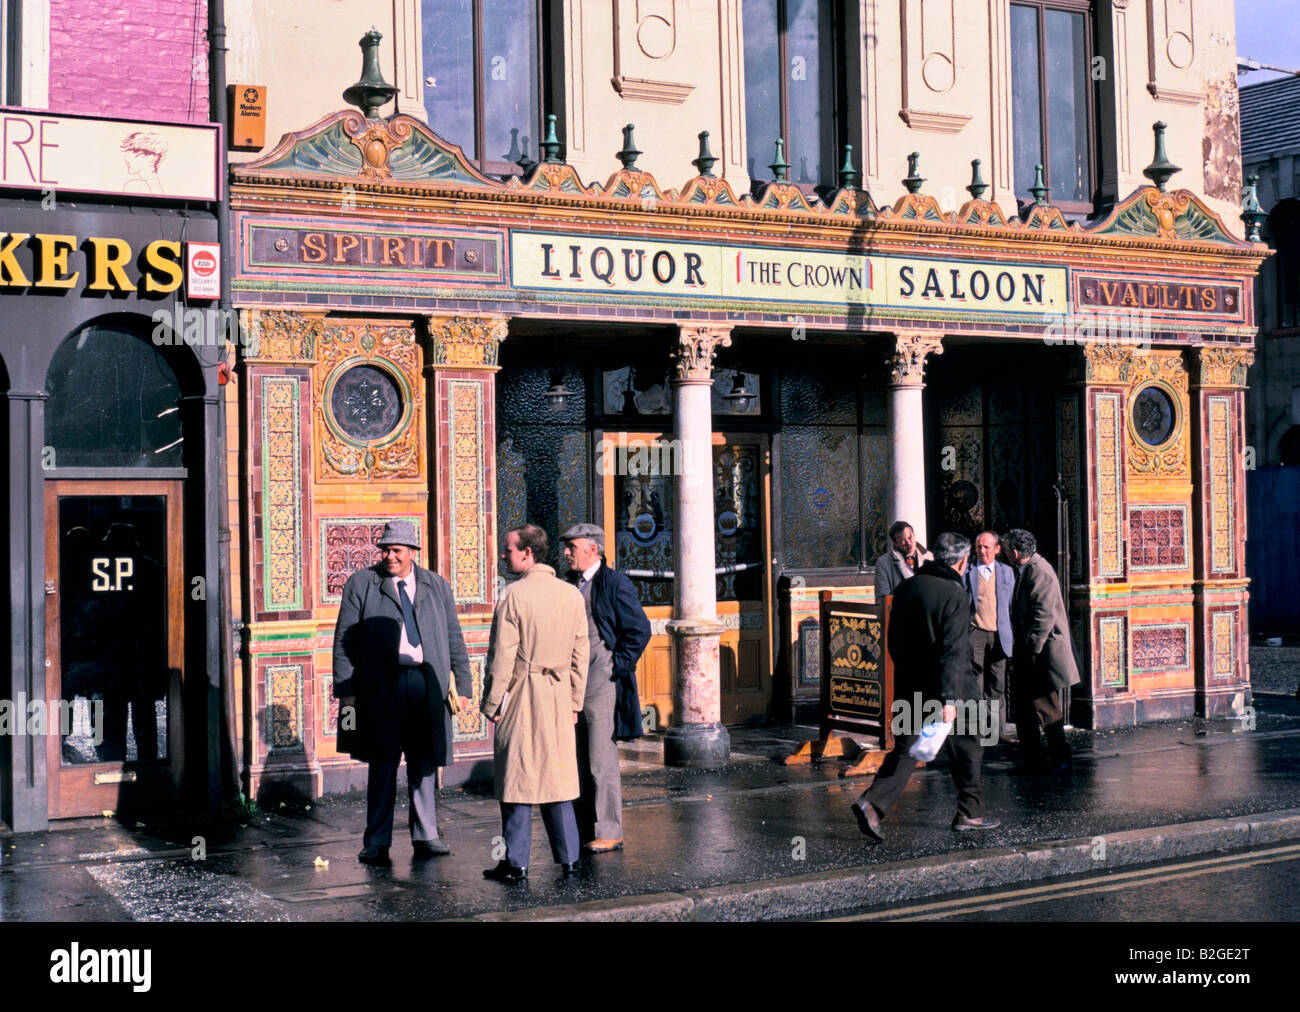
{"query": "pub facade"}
(744, 389)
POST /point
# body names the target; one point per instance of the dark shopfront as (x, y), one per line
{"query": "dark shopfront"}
(544, 343)
(111, 510)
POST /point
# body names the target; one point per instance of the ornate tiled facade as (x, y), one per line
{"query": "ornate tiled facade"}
(1161, 647)
(1223, 549)
(467, 518)
(348, 544)
(1157, 538)
(281, 494)
(1107, 414)
(1223, 644)
(284, 713)
(1112, 644)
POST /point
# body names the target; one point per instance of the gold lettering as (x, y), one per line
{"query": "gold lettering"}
(1108, 290)
(1188, 291)
(369, 255)
(1164, 299)
(1154, 303)
(1130, 295)
(167, 266)
(438, 246)
(52, 260)
(11, 275)
(343, 245)
(312, 250)
(1208, 302)
(394, 249)
(107, 258)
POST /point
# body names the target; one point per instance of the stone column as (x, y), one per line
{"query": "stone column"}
(696, 736)
(906, 426)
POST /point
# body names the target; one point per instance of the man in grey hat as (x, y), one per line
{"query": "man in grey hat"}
(397, 645)
(618, 632)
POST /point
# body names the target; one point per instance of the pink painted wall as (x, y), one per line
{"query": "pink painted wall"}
(140, 59)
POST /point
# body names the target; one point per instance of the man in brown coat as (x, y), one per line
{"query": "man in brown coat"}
(533, 690)
(1044, 657)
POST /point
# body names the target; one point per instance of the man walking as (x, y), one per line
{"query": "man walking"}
(533, 689)
(397, 644)
(901, 562)
(991, 584)
(1044, 656)
(618, 632)
(929, 640)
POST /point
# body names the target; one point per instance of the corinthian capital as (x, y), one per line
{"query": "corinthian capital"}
(693, 354)
(1223, 367)
(906, 362)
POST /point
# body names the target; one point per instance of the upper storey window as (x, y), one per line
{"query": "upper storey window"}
(791, 74)
(483, 78)
(1052, 100)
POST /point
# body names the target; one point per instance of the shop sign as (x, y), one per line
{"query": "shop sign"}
(349, 249)
(614, 266)
(202, 270)
(49, 262)
(132, 158)
(1160, 296)
(856, 680)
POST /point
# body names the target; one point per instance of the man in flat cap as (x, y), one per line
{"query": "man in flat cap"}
(397, 646)
(618, 632)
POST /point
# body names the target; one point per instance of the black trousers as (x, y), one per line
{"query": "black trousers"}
(421, 771)
(989, 664)
(1029, 712)
(964, 755)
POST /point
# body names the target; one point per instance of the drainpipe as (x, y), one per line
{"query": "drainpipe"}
(228, 780)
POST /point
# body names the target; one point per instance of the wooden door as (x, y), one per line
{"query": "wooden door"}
(113, 643)
(639, 511)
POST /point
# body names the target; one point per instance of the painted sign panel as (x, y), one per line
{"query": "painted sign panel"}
(631, 266)
(1161, 296)
(133, 158)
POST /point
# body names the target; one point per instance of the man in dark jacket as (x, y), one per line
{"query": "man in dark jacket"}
(618, 632)
(929, 641)
(396, 646)
(1044, 656)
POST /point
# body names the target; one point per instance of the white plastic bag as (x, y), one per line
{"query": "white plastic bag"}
(932, 737)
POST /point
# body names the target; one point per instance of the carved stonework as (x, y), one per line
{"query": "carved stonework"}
(916, 207)
(981, 212)
(1107, 363)
(275, 335)
(376, 139)
(467, 342)
(1223, 367)
(693, 355)
(1046, 218)
(906, 363)
(396, 454)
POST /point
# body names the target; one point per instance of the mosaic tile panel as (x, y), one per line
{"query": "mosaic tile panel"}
(284, 713)
(1223, 644)
(1108, 411)
(470, 725)
(282, 579)
(466, 499)
(1222, 541)
(348, 544)
(329, 709)
(1111, 645)
(1162, 647)
(1157, 538)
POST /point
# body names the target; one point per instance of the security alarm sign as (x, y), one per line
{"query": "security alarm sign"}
(202, 270)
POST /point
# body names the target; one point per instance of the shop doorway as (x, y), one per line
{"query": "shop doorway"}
(113, 649)
(639, 506)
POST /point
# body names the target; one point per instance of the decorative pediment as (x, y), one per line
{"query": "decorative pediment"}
(1181, 216)
(346, 145)
(551, 177)
(782, 196)
(709, 190)
(981, 212)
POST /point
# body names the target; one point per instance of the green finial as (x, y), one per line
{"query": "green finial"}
(1252, 212)
(629, 154)
(913, 178)
(371, 91)
(780, 168)
(551, 146)
(977, 185)
(1161, 168)
(849, 176)
(1039, 189)
(705, 162)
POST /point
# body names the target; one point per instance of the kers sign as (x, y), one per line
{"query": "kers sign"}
(98, 263)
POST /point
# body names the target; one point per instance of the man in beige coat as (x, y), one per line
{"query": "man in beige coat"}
(533, 691)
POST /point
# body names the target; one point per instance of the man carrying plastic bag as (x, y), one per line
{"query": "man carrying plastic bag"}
(929, 641)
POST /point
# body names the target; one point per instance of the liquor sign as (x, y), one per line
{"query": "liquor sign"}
(857, 677)
(202, 270)
(612, 265)
(132, 158)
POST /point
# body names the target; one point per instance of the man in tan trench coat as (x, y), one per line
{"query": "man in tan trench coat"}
(533, 691)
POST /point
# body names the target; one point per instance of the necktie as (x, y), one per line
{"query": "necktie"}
(408, 615)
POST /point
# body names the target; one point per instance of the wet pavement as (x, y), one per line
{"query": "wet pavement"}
(1275, 669)
(685, 829)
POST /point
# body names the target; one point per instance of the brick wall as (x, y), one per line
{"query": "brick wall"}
(144, 59)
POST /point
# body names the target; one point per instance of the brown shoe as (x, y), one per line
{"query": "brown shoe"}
(603, 844)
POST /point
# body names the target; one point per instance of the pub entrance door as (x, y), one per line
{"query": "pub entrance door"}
(639, 505)
(113, 642)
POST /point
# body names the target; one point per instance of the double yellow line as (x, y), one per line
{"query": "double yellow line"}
(1079, 887)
